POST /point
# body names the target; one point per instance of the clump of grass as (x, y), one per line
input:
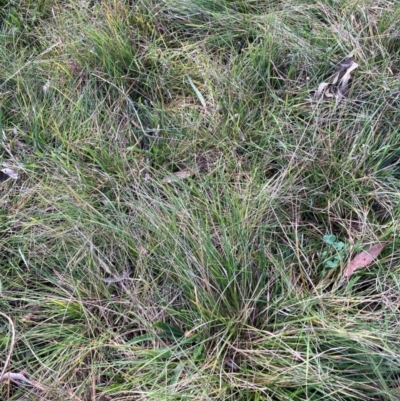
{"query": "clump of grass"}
(166, 238)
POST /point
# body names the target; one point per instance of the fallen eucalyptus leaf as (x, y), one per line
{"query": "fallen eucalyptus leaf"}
(15, 377)
(7, 173)
(364, 258)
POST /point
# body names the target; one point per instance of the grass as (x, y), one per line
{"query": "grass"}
(179, 143)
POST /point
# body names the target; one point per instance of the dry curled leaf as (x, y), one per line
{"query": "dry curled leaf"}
(7, 173)
(339, 85)
(364, 259)
(21, 376)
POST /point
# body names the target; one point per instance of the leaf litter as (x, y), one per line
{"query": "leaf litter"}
(339, 85)
(364, 259)
(7, 173)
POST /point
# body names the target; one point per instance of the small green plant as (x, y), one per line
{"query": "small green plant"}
(338, 246)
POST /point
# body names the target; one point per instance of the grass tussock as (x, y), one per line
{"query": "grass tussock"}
(177, 180)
